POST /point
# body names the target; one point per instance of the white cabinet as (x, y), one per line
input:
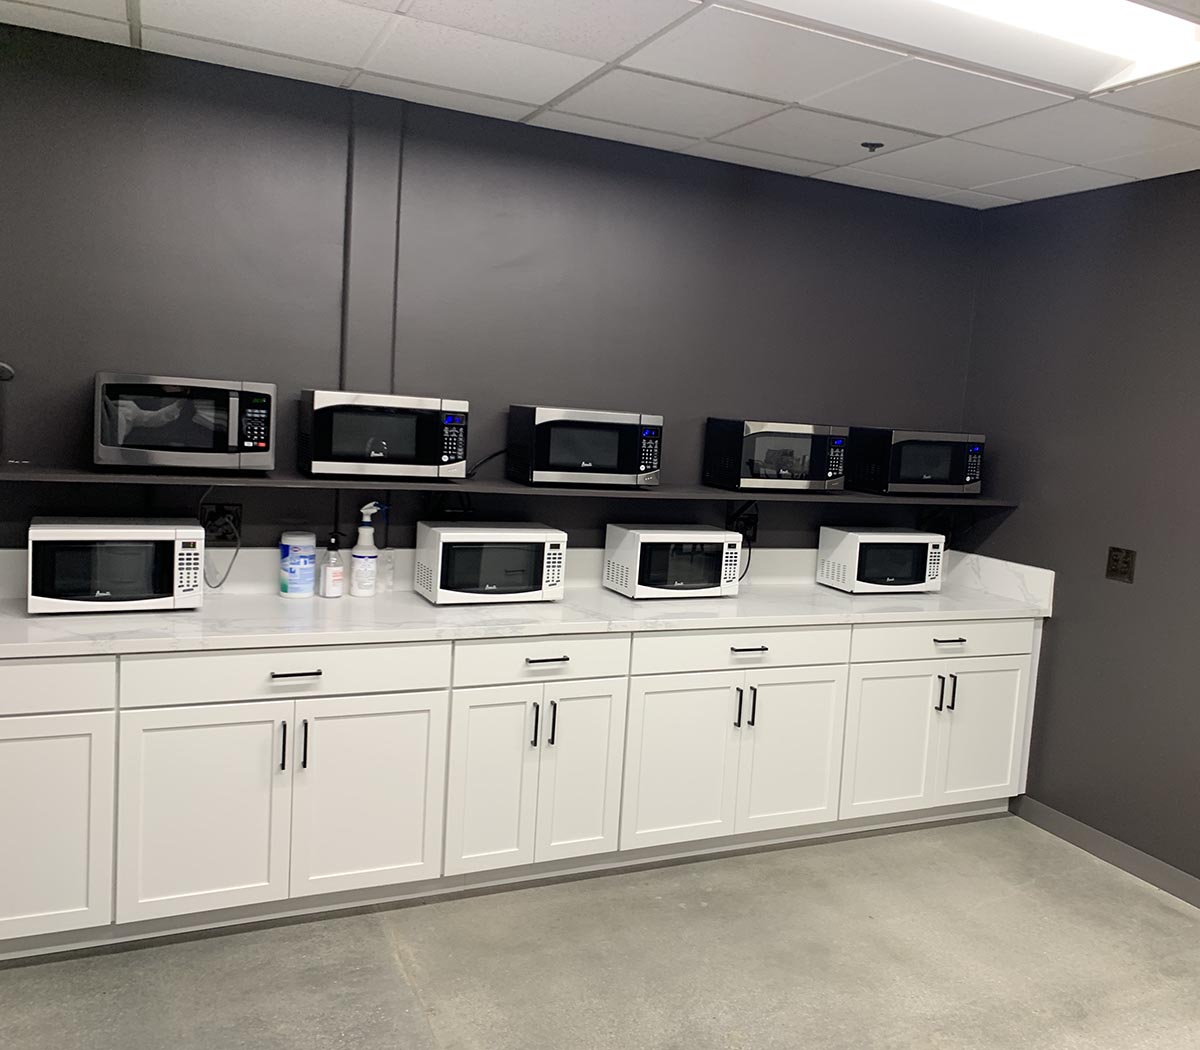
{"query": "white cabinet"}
(927, 733)
(730, 752)
(534, 773)
(367, 791)
(204, 807)
(56, 822)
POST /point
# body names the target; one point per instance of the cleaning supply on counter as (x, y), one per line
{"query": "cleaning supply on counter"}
(297, 564)
(385, 575)
(364, 557)
(331, 582)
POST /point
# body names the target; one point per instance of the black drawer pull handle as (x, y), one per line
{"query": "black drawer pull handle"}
(737, 723)
(949, 641)
(548, 660)
(941, 692)
(297, 674)
(283, 749)
(304, 746)
(749, 649)
(537, 711)
(753, 705)
(553, 721)
(953, 692)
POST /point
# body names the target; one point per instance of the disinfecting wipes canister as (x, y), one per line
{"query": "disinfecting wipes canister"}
(297, 564)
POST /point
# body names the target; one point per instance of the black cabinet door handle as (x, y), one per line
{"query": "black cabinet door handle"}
(941, 692)
(737, 723)
(949, 641)
(753, 705)
(275, 675)
(283, 749)
(553, 721)
(953, 692)
(304, 745)
(749, 649)
(548, 660)
(537, 712)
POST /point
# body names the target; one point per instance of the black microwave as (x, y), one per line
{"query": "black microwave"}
(166, 421)
(752, 454)
(382, 435)
(582, 446)
(914, 461)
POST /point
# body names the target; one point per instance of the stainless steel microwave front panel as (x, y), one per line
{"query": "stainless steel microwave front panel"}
(338, 398)
(792, 483)
(925, 488)
(598, 479)
(543, 414)
(754, 426)
(899, 436)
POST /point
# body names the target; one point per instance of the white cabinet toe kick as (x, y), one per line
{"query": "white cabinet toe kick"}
(147, 795)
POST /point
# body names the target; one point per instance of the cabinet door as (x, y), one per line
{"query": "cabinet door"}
(204, 807)
(56, 822)
(980, 754)
(367, 791)
(889, 762)
(491, 784)
(681, 758)
(579, 782)
(790, 768)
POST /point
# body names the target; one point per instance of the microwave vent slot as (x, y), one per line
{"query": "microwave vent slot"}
(616, 574)
(554, 568)
(424, 578)
(832, 571)
(732, 562)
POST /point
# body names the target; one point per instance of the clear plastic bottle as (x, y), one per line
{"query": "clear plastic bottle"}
(364, 557)
(332, 580)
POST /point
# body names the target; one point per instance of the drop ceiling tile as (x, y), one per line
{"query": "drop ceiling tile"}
(1176, 96)
(577, 27)
(665, 105)
(240, 58)
(444, 98)
(973, 199)
(818, 136)
(63, 22)
(113, 9)
(1081, 132)
(456, 58)
(1185, 8)
(319, 30)
(606, 129)
(1170, 160)
(759, 56)
(1054, 183)
(928, 96)
(752, 158)
(952, 162)
(876, 180)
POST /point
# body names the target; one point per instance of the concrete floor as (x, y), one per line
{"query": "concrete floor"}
(983, 936)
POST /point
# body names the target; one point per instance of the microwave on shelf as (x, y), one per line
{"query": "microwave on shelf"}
(457, 563)
(671, 561)
(102, 565)
(880, 561)
(382, 435)
(583, 447)
(752, 454)
(914, 461)
(167, 421)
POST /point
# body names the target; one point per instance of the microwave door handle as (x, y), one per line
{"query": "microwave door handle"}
(235, 422)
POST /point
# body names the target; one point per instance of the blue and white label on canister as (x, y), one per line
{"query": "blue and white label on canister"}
(297, 564)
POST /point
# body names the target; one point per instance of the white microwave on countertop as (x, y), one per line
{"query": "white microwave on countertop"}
(672, 561)
(880, 561)
(466, 562)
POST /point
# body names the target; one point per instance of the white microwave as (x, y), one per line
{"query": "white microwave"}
(101, 565)
(880, 561)
(671, 561)
(457, 563)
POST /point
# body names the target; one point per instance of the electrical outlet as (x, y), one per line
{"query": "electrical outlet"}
(745, 521)
(222, 521)
(1121, 561)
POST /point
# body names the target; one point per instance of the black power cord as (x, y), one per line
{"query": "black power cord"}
(749, 555)
(472, 471)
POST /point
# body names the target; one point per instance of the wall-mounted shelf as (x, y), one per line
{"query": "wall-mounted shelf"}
(278, 480)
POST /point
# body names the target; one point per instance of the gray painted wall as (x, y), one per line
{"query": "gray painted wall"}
(1085, 375)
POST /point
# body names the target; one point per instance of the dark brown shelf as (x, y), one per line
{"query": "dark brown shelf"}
(695, 493)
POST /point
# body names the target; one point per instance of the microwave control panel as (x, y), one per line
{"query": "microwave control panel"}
(255, 422)
(837, 457)
(651, 449)
(974, 463)
(189, 558)
(454, 436)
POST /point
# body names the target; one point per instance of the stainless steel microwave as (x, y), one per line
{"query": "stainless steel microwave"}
(457, 563)
(102, 565)
(382, 435)
(753, 454)
(168, 421)
(671, 561)
(914, 461)
(880, 561)
(583, 446)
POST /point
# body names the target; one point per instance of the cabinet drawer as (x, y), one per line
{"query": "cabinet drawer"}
(924, 641)
(540, 659)
(36, 687)
(720, 650)
(256, 674)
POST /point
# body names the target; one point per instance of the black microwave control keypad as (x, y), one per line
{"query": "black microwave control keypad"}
(651, 446)
(256, 427)
(454, 442)
(837, 461)
(974, 466)
(188, 571)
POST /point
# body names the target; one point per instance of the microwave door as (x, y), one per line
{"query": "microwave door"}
(586, 451)
(168, 425)
(362, 439)
(117, 572)
(893, 564)
(492, 568)
(681, 566)
(927, 466)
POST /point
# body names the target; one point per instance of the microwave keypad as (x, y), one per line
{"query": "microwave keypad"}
(256, 427)
(554, 565)
(974, 465)
(188, 571)
(454, 442)
(651, 444)
(837, 461)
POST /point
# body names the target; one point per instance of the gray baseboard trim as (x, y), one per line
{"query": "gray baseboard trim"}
(1115, 852)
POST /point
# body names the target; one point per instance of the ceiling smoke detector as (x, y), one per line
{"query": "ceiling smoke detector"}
(871, 147)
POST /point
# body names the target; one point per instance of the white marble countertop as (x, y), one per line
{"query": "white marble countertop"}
(253, 621)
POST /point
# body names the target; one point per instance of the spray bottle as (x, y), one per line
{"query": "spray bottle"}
(365, 555)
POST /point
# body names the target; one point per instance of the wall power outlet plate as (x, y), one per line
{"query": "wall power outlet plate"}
(222, 521)
(1121, 561)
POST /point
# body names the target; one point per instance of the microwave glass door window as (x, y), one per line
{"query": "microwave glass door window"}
(931, 461)
(492, 568)
(117, 571)
(681, 566)
(778, 456)
(576, 447)
(893, 564)
(166, 418)
(366, 435)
